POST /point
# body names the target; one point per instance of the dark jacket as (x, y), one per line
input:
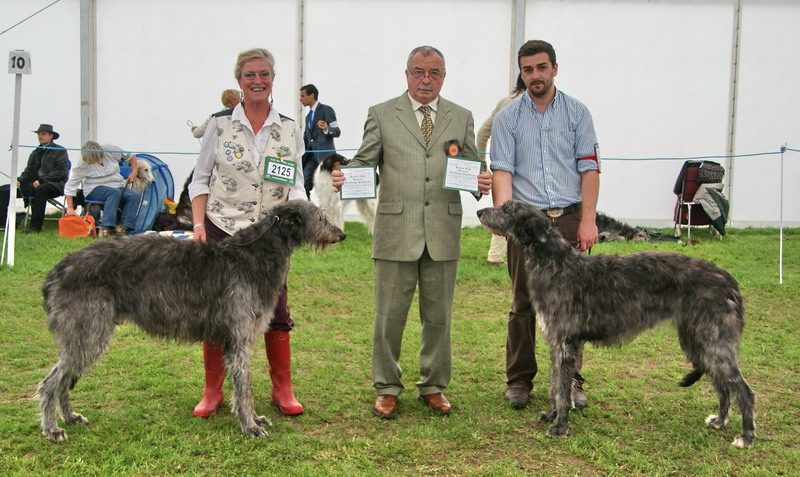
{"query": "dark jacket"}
(315, 139)
(48, 166)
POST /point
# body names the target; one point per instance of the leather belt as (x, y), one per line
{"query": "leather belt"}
(557, 212)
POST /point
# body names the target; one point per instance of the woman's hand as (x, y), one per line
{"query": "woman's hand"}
(199, 233)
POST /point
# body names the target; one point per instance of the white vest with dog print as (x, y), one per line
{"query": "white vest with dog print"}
(239, 194)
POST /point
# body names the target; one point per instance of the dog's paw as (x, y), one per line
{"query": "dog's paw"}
(255, 431)
(557, 431)
(55, 435)
(743, 442)
(714, 422)
(263, 421)
(75, 417)
(547, 416)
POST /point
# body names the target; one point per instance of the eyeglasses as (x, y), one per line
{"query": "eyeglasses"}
(433, 74)
(261, 74)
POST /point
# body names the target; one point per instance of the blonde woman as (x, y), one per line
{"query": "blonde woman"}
(99, 177)
(231, 189)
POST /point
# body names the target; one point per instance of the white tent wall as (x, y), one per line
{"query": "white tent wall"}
(160, 64)
(655, 77)
(655, 74)
(51, 93)
(768, 114)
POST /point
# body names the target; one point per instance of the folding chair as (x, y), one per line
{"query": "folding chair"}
(688, 212)
(95, 207)
(54, 202)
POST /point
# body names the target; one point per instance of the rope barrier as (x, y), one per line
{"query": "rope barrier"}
(690, 158)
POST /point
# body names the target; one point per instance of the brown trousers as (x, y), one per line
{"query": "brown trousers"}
(521, 340)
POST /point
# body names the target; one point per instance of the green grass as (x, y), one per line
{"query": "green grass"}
(139, 397)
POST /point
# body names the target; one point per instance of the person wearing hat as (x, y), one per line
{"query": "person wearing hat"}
(43, 178)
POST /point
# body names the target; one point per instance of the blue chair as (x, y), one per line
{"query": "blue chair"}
(95, 207)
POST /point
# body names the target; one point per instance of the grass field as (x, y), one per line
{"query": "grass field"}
(139, 397)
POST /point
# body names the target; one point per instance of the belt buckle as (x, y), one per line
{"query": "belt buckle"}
(555, 213)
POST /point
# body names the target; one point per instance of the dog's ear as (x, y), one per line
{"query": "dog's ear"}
(529, 224)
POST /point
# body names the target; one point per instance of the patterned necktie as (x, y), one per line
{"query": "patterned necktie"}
(427, 123)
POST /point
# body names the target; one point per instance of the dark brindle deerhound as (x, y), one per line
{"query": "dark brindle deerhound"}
(609, 299)
(612, 230)
(222, 292)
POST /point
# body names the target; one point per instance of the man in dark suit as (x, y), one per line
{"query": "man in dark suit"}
(42, 179)
(417, 238)
(319, 131)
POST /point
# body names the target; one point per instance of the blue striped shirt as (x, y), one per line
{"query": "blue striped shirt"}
(545, 153)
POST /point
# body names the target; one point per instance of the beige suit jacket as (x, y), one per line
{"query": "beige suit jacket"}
(414, 209)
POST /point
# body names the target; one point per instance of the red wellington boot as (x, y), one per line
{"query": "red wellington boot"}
(280, 371)
(213, 397)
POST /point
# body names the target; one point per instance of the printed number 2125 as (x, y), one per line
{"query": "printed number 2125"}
(279, 170)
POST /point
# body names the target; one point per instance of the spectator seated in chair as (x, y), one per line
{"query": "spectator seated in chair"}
(43, 179)
(98, 175)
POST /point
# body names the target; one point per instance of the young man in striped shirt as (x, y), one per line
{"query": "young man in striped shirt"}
(544, 152)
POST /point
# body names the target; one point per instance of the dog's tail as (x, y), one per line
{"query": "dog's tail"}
(691, 377)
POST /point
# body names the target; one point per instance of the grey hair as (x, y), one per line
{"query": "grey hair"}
(425, 50)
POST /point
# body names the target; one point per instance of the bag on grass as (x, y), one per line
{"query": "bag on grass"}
(74, 226)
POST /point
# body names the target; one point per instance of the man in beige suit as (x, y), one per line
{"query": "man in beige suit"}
(417, 239)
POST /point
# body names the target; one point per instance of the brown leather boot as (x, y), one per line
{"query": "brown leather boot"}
(213, 397)
(280, 371)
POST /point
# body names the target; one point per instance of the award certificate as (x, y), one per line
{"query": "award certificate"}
(462, 174)
(359, 183)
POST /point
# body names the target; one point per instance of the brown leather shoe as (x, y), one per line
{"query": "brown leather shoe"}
(386, 406)
(518, 397)
(437, 402)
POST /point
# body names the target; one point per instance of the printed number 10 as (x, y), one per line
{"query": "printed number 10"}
(18, 62)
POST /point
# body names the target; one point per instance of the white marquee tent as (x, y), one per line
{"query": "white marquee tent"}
(670, 79)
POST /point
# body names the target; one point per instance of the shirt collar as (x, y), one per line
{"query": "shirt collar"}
(273, 118)
(553, 104)
(416, 104)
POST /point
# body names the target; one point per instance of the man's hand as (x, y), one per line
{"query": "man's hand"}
(587, 234)
(337, 179)
(485, 182)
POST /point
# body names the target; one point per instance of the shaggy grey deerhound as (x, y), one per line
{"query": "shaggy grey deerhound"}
(224, 292)
(612, 230)
(609, 300)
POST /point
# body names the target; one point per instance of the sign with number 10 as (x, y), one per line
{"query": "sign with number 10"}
(19, 62)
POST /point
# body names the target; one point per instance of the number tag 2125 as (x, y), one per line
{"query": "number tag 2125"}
(278, 170)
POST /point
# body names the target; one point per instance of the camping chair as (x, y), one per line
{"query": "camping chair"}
(689, 212)
(95, 207)
(155, 193)
(54, 202)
